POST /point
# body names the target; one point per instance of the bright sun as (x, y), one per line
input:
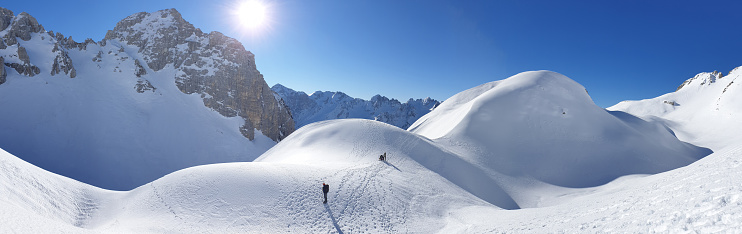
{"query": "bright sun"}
(252, 14)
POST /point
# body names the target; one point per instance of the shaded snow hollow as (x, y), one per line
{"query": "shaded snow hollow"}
(447, 174)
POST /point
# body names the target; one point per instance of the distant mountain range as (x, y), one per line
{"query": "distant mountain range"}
(320, 106)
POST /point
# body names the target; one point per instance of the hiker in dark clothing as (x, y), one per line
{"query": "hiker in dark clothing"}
(325, 189)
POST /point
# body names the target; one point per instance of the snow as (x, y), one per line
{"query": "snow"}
(530, 153)
(542, 125)
(705, 114)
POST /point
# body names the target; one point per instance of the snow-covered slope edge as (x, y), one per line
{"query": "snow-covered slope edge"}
(281, 192)
(543, 125)
(703, 197)
(36, 201)
(705, 110)
(320, 106)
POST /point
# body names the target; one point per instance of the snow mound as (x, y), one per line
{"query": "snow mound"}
(338, 144)
(543, 125)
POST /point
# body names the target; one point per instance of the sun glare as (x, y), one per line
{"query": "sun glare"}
(252, 14)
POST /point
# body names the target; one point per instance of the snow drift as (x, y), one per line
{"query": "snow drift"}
(544, 125)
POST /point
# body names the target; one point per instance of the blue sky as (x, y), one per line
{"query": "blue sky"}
(618, 50)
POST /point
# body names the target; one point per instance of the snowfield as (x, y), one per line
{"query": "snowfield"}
(530, 153)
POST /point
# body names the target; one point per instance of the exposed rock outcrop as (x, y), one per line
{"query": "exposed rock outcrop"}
(703, 78)
(2, 70)
(144, 85)
(62, 63)
(6, 16)
(139, 70)
(216, 66)
(22, 27)
(24, 67)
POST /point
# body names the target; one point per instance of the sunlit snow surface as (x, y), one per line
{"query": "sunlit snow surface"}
(436, 183)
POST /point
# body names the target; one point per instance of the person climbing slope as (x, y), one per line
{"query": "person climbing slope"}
(325, 189)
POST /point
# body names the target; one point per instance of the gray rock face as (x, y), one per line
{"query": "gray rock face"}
(25, 67)
(321, 106)
(2, 71)
(703, 78)
(213, 65)
(23, 55)
(62, 63)
(23, 26)
(143, 86)
(6, 16)
(140, 71)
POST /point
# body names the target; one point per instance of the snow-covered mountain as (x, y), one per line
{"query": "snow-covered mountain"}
(454, 183)
(320, 106)
(703, 110)
(155, 96)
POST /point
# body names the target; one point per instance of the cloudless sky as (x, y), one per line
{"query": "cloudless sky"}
(619, 50)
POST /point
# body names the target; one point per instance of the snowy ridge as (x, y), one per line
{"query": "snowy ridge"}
(326, 105)
(701, 112)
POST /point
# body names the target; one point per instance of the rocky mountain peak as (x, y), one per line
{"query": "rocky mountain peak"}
(703, 78)
(156, 34)
(213, 65)
(6, 16)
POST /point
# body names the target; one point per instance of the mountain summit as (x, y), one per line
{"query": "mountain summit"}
(213, 65)
(154, 96)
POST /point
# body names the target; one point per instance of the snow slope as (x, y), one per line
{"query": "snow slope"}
(542, 125)
(705, 110)
(98, 129)
(279, 193)
(704, 197)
